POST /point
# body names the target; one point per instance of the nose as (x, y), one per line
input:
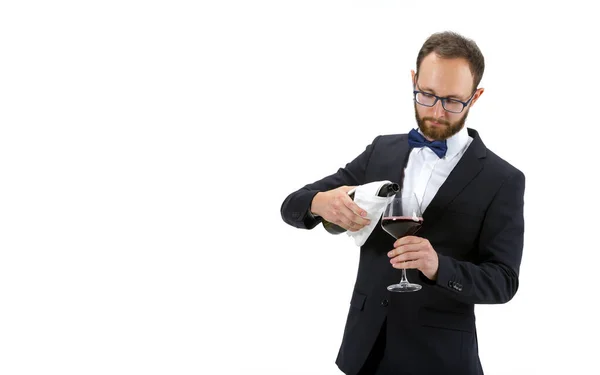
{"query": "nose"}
(438, 110)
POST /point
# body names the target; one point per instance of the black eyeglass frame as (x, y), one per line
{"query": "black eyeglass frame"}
(443, 100)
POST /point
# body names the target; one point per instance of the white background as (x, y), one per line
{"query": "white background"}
(146, 148)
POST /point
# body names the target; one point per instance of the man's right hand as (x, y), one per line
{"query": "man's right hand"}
(338, 208)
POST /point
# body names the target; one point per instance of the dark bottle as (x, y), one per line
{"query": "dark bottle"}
(386, 190)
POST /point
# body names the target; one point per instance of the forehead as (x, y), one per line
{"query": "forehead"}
(446, 77)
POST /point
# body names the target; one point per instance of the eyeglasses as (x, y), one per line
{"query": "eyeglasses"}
(451, 105)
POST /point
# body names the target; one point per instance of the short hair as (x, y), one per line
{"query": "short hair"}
(449, 45)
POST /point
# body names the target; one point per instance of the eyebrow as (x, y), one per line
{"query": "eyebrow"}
(457, 97)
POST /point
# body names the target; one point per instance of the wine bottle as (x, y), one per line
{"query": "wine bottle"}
(386, 190)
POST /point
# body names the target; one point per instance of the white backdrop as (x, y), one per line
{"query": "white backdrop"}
(146, 148)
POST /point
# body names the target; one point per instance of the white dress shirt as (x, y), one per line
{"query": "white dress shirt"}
(425, 172)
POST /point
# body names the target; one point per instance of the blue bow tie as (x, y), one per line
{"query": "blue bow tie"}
(416, 140)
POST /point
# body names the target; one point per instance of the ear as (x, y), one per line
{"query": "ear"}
(413, 75)
(478, 93)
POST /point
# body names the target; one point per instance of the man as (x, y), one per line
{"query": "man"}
(468, 250)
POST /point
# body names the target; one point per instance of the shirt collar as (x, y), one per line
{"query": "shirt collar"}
(456, 143)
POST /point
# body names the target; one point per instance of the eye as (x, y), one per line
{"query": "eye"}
(453, 106)
(427, 95)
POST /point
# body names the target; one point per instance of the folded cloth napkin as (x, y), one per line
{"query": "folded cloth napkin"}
(365, 196)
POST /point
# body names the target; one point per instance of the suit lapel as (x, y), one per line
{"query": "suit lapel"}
(463, 173)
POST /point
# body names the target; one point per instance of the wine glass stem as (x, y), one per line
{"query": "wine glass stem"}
(404, 279)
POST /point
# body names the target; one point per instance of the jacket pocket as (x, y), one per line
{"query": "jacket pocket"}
(358, 300)
(451, 320)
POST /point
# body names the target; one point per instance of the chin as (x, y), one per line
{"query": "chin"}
(440, 132)
(433, 132)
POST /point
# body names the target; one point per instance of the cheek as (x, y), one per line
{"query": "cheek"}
(453, 118)
(456, 118)
(423, 111)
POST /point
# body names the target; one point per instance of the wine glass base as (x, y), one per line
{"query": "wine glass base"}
(404, 287)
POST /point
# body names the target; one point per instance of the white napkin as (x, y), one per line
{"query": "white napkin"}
(365, 196)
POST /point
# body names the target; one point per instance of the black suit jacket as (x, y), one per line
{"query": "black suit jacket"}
(475, 223)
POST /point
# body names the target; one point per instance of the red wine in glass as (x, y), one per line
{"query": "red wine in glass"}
(402, 217)
(400, 226)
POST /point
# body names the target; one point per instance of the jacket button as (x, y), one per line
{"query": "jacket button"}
(384, 303)
(451, 284)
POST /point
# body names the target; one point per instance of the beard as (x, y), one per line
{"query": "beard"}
(439, 133)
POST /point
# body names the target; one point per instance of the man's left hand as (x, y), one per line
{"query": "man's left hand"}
(415, 252)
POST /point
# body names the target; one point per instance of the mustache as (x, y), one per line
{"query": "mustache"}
(438, 120)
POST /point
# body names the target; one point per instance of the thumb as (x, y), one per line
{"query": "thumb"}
(346, 189)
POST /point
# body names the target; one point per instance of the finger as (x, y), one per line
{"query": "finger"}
(349, 203)
(408, 240)
(348, 224)
(356, 226)
(407, 257)
(405, 249)
(412, 264)
(357, 220)
(353, 218)
(346, 189)
(342, 216)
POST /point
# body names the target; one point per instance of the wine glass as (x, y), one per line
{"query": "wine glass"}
(402, 217)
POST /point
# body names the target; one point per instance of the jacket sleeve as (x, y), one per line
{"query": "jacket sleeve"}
(494, 278)
(295, 209)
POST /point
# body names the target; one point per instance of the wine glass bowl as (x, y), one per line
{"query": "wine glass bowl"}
(402, 217)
